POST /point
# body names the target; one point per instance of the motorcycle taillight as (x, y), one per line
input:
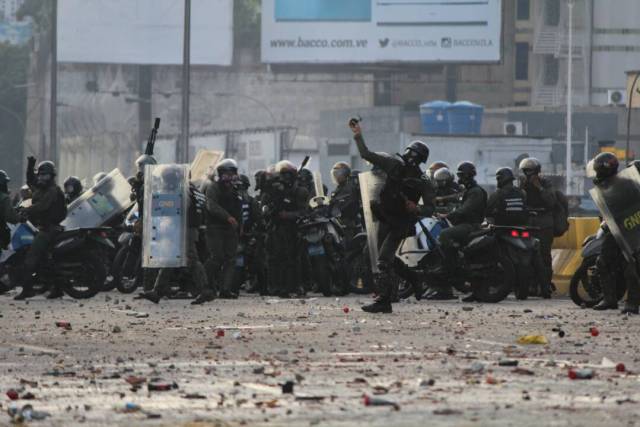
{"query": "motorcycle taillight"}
(514, 233)
(525, 235)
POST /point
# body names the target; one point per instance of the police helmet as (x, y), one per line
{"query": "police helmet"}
(417, 152)
(246, 182)
(466, 171)
(46, 168)
(443, 177)
(504, 176)
(605, 165)
(72, 185)
(98, 177)
(227, 166)
(530, 166)
(4, 178)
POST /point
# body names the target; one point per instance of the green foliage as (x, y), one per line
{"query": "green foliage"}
(14, 62)
(246, 23)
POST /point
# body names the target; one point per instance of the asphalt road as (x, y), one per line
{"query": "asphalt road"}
(439, 363)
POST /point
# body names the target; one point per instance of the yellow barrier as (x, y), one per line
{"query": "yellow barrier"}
(566, 251)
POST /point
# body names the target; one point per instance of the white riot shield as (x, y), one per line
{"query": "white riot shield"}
(203, 164)
(320, 198)
(618, 200)
(101, 203)
(164, 233)
(370, 187)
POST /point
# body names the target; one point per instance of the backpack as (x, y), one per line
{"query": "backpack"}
(560, 214)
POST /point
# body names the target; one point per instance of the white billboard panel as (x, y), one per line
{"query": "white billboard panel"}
(369, 31)
(144, 31)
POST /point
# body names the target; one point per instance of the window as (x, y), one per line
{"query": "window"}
(551, 70)
(522, 10)
(522, 61)
(552, 12)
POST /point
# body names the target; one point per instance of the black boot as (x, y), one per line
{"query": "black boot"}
(630, 308)
(610, 299)
(152, 296)
(205, 296)
(378, 306)
(27, 292)
(55, 293)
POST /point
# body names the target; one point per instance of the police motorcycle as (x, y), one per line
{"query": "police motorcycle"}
(585, 288)
(125, 269)
(100, 206)
(496, 261)
(323, 235)
(73, 264)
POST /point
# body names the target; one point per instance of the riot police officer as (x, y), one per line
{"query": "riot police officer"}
(397, 208)
(507, 205)
(48, 209)
(448, 192)
(137, 194)
(224, 221)
(435, 167)
(287, 201)
(611, 259)
(72, 188)
(540, 202)
(7, 213)
(464, 219)
(171, 178)
(345, 199)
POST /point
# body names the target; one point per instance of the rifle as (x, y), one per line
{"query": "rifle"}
(151, 142)
(304, 163)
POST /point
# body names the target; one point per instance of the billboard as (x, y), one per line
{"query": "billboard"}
(144, 31)
(369, 31)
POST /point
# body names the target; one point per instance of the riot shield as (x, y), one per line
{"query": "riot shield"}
(618, 200)
(164, 233)
(99, 204)
(320, 198)
(370, 186)
(203, 164)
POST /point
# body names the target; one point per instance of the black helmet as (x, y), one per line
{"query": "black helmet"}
(530, 166)
(504, 176)
(4, 178)
(466, 171)
(72, 187)
(246, 182)
(170, 176)
(46, 168)
(260, 176)
(228, 166)
(287, 171)
(443, 177)
(417, 152)
(605, 165)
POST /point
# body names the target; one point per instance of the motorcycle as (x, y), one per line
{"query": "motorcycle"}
(322, 234)
(496, 261)
(585, 288)
(126, 267)
(73, 264)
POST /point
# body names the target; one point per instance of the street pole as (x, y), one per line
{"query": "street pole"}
(53, 101)
(569, 100)
(629, 106)
(182, 151)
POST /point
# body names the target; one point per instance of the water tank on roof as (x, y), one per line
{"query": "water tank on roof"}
(465, 117)
(434, 117)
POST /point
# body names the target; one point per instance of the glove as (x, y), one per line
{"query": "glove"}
(31, 162)
(23, 216)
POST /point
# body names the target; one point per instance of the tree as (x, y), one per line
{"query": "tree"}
(246, 24)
